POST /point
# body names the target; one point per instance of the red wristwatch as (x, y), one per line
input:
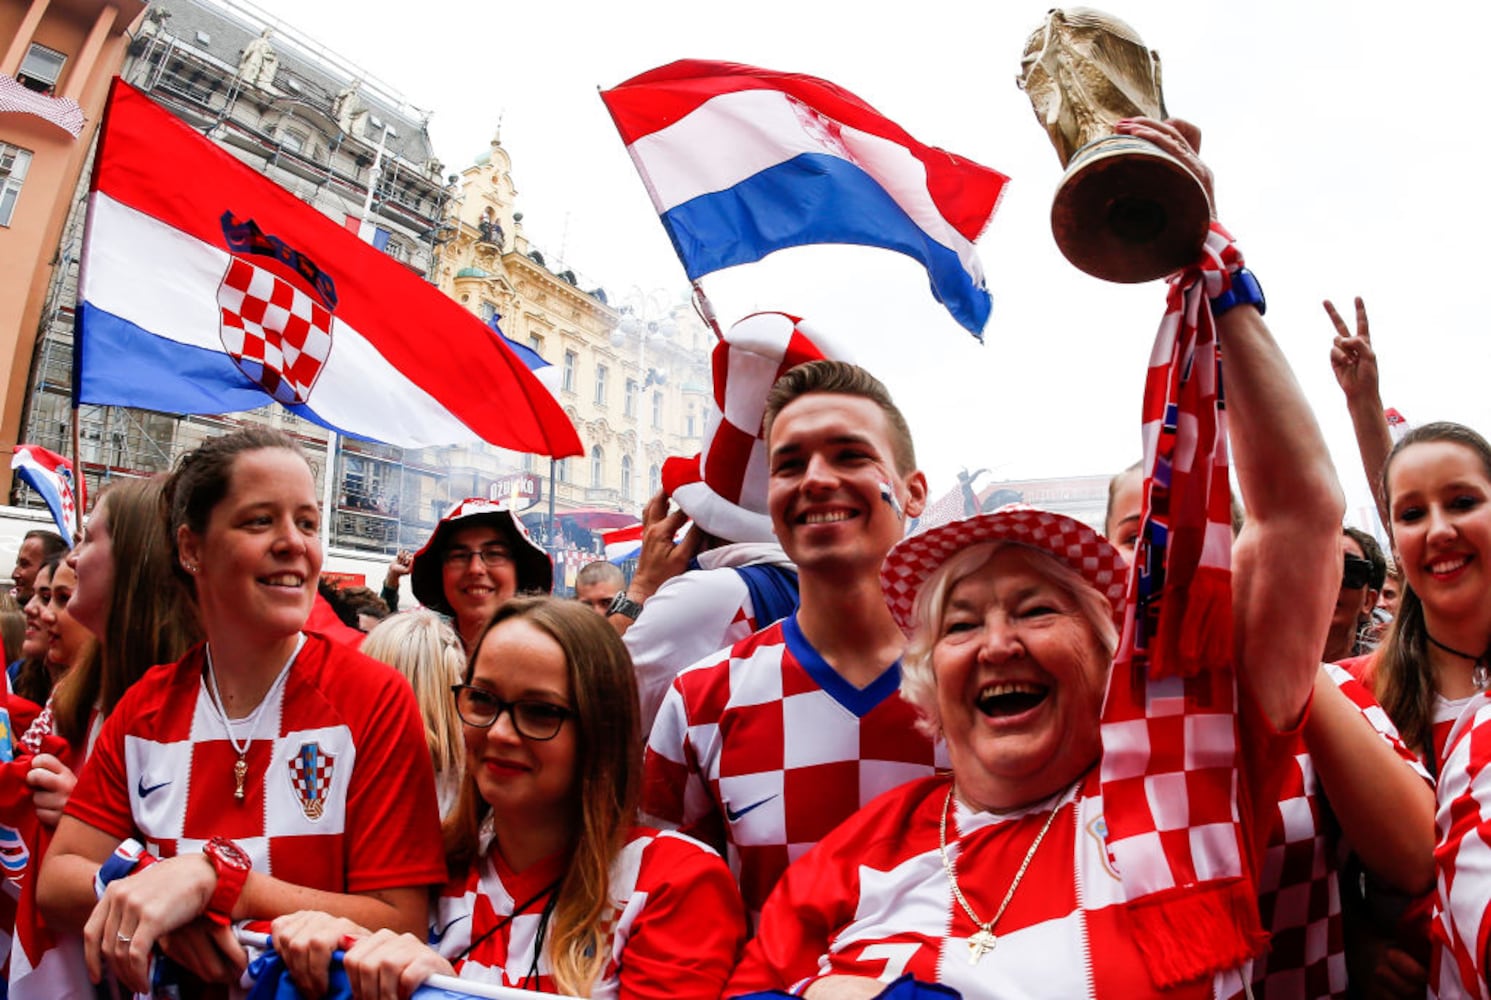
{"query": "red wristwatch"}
(232, 866)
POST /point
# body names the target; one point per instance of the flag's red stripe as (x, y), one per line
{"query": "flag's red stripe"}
(966, 192)
(155, 163)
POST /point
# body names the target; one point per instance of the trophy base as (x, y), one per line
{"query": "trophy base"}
(1127, 211)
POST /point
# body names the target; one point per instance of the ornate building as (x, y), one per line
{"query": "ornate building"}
(352, 147)
(633, 374)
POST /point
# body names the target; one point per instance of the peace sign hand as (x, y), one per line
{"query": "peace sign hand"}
(1352, 357)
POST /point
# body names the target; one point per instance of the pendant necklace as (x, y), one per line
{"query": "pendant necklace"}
(251, 721)
(983, 941)
(1480, 675)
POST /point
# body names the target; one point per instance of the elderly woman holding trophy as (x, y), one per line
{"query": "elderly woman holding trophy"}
(1118, 743)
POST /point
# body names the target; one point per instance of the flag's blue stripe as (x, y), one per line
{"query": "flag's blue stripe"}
(43, 485)
(119, 363)
(525, 354)
(815, 198)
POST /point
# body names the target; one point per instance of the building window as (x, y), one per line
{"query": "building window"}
(527, 462)
(292, 140)
(41, 68)
(657, 410)
(597, 466)
(626, 475)
(600, 385)
(631, 397)
(14, 162)
(486, 311)
(654, 480)
(568, 382)
(537, 343)
(561, 470)
(688, 428)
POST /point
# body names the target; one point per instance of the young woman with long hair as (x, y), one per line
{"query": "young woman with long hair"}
(424, 648)
(553, 885)
(268, 769)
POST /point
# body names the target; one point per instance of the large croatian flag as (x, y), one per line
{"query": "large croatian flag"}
(207, 288)
(51, 476)
(741, 162)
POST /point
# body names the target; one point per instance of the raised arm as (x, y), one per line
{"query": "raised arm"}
(1355, 364)
(1287, 561)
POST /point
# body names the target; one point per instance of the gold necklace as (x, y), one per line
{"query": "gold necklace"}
(250, 722)
(982, 942)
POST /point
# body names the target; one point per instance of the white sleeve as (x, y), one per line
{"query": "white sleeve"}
(690, 617)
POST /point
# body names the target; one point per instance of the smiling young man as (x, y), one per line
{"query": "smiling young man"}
(764, 749)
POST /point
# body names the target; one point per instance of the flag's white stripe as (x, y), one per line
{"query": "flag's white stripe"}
(165, 281)
(734, 136)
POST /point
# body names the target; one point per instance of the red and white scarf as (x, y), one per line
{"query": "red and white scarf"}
(1170, 766)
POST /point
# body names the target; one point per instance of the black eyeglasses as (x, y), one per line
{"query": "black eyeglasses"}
(492, 555)
(1357, 573)
(534, 720)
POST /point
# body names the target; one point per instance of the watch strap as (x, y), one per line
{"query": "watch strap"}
(623, 605)
(232, 867)
(1244, 289)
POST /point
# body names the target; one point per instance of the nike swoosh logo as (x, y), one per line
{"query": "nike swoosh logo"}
(140, 787)
(437, 934)
(735, 814)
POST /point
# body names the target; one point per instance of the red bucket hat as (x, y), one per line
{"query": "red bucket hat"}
(535, 569)
(1071, 542)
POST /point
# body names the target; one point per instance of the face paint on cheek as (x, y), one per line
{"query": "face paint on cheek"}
(888, 494)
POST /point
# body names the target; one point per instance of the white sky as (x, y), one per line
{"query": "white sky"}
(1343, 137)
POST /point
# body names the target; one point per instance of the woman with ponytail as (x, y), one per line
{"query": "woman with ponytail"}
(554, 887)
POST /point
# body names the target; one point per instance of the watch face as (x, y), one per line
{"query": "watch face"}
(228, 853)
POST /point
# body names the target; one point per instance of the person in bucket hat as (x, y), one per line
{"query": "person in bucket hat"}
(478, 556)
(727, 576)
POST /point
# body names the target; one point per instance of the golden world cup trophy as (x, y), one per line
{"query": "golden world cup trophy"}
(1125, 210)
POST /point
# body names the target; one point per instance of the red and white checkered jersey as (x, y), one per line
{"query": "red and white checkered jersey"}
(873, 900)
(1462, 859)
(340, 793)
(1299, 898)
(766, 750)
(678, 923)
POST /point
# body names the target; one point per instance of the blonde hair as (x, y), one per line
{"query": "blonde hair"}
(424, 648)
(919, 683)
(608, 778)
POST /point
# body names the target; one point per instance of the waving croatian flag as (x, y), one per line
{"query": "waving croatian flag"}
(622, 544)
(741, 162)
(206, 288)
(51, 476)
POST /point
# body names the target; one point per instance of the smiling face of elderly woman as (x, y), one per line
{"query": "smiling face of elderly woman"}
(1011, 664)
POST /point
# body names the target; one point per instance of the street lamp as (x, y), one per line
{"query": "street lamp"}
(647, 316)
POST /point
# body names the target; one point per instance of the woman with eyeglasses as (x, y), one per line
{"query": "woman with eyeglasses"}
(553, 886)
(478, 557)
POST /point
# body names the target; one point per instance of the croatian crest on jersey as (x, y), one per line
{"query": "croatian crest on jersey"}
(276, 308)
(310, 776)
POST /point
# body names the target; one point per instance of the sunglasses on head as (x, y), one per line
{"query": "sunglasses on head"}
(1357, 574)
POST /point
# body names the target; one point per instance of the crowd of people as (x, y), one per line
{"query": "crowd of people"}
(801, 750)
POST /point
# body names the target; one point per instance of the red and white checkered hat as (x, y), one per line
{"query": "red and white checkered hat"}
(723, 488)
(916, 558)
(535, 570)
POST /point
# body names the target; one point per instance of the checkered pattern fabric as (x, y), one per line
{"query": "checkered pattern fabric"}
(723, 488)
(1299, 898)
(671, 896)
(162, 772)
(1170, 760)
(916, 558)
(1462, 919)
(874, 901)
(764, 751)
(279, 335)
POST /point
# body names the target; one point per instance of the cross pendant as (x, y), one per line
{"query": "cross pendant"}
(240, 772)
(979, 945)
